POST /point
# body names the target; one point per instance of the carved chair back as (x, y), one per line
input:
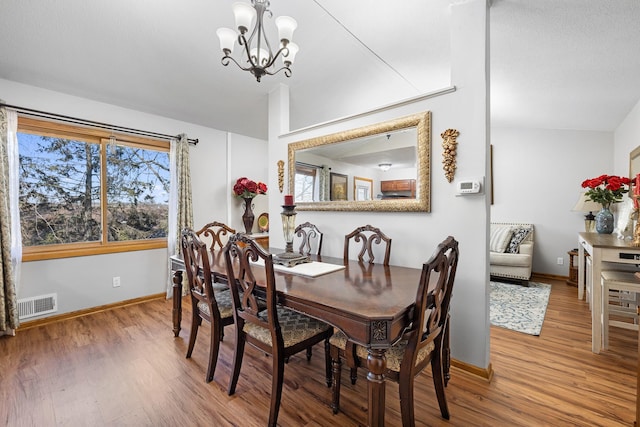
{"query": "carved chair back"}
(248, 294)
(198, 268)
(430, 316)
(369, 236)
(215, 232)
(309, 234)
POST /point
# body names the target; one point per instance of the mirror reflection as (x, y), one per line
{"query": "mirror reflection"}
(372, 159)
(362, 188)
(381, 167)
(634, 163)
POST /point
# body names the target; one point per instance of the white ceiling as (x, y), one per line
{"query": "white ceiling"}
(564, 64)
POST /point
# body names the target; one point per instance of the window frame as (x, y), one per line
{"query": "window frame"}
(100, 137)
(308, 171)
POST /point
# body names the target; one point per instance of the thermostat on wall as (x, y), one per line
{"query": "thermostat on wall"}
(468, 187)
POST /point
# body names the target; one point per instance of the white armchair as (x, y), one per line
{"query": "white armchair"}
(511, 250)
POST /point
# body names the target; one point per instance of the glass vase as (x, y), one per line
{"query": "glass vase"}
(604, 221)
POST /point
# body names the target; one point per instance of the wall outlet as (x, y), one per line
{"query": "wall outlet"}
(560, 261)
(116, 282)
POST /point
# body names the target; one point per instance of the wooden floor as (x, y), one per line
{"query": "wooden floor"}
(124, 367)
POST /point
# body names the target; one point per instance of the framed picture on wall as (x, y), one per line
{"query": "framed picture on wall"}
(491, 169)
(337, 186)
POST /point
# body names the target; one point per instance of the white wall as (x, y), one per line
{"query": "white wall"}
(85, 282)
(536, 177)
(627, 138)
(247, 157)
(416, 235)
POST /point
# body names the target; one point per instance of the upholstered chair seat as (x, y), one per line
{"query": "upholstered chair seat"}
(295, 327)
(225, 303)
(394, 355)
(225, 306)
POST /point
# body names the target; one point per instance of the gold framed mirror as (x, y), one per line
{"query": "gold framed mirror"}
(394, 151)
(634, 163)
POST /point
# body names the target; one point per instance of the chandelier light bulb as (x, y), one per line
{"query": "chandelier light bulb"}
(245, 14)
(227, 39)
(286, 26)
(293, 50)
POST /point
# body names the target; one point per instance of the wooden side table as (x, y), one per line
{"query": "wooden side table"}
(262, 239)
(573, 267)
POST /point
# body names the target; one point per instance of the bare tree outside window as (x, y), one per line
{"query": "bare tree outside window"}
(59, 190)
(137, 193)
(305, 180)
(83, 190)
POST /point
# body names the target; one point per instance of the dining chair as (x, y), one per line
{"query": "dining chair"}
(422, 344)
(213, 306)
(216, 235)
(311, 237)
(276, 330)
(369, 236)
(620, 292)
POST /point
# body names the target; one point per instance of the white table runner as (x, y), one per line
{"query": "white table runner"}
(309, 269)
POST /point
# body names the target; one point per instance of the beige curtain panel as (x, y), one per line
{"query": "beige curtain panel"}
(8, 301)
(180, 203)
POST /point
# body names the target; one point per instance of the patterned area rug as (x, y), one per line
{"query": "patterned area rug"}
(519, 308)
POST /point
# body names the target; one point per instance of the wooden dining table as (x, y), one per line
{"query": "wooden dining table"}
(371, 303)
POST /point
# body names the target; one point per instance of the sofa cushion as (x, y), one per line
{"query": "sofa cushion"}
(499, 237)
(508, 259)
(518, 236)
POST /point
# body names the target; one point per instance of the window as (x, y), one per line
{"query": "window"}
(83, 192)
(305, 182)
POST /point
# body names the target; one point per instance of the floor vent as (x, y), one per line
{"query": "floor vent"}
(35, 306)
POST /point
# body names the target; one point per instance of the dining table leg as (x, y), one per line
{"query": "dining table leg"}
(177, 301)
(376, 365)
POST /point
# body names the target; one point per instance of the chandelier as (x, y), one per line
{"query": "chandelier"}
(257, 54)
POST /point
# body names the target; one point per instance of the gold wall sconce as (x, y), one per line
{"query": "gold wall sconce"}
(281, 175)
(449, 151)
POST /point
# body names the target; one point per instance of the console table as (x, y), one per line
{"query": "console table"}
(261, 238)
(603, 249)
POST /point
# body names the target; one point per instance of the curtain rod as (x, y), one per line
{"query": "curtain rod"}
(309, 165)
(115, 128)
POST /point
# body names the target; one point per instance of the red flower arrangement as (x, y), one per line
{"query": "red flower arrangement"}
(247, 188)
(606, 189)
